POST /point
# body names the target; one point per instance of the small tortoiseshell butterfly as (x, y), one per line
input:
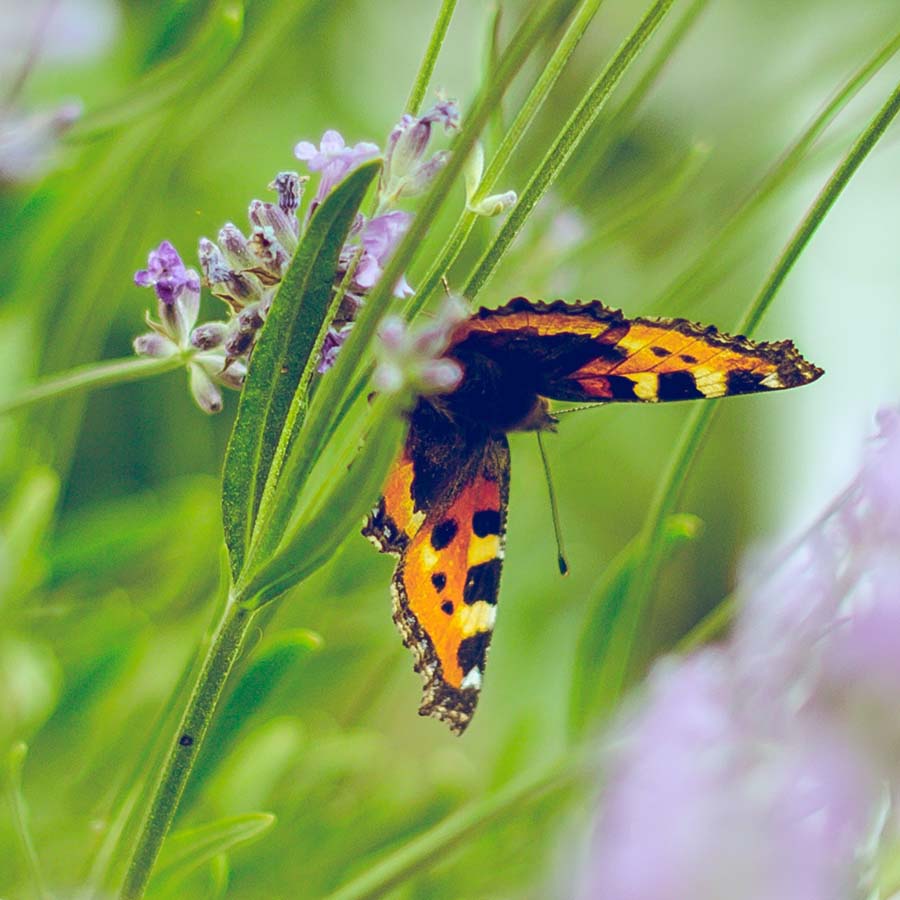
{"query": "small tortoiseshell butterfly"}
(443, 512)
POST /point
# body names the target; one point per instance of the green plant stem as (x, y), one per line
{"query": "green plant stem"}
(224, 649)
(511, 138)
(698, 276)
(426, 69)
(423, 852)
(713, 625)
(694, 431)
(564, 146)
(609, 129)
(88, 377)
(19, 816)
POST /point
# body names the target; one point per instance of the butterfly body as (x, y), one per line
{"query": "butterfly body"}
(443, 510)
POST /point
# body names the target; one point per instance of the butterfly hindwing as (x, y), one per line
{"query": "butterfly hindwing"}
(590, 352)
(444, 514)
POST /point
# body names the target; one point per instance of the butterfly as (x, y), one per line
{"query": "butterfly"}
(443, 509)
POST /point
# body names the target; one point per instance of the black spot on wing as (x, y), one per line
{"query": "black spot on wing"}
(439, 580)
(443, 534)
(482, 583)
(741, 381)
(621, 387)
(472, 652)
(677, 386)
(686, 357)
(447, 607)
(660, 351)
(485, 522)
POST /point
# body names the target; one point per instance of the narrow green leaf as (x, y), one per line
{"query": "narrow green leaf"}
(426, 69)
(283, 358)
(323, 521)
(190, 848)
(609, 630)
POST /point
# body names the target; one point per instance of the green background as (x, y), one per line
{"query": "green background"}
(111, 537)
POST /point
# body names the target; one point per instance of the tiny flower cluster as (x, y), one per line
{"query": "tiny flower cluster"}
(245, 271)
(765, 768)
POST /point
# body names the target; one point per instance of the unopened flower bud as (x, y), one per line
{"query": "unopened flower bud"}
(155, 345)
(274, 220)
(271, 258)
(209, 335)
(290, 189)
(491, 205)
(234, 288)
(204, 390)
(235, 249)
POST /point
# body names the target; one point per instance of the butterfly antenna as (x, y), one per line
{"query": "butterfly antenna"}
(554, 509)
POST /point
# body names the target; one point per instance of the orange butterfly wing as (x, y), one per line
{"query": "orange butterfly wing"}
(448, 534)
(590, 352)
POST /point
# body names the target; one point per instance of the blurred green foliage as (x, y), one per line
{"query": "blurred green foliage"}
(110, 554)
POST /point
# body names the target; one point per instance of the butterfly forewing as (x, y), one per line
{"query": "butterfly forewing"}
(585, 352)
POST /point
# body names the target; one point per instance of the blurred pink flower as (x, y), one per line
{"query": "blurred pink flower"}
(761, 769)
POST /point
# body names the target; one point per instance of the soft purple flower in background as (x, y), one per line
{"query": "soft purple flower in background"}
(762, 769)
(29, 140)
(33, 36)
(824, 626)
(412, 357)
(701, 804)
(56, 31)
(333, 159)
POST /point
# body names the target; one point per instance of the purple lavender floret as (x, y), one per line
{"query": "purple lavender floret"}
(332, 344)
(167, 274)
(379, 239)
(333, 159)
